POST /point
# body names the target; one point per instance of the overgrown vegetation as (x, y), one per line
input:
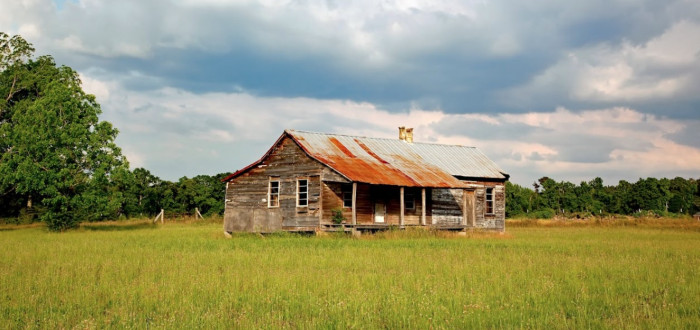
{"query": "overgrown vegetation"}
(132, 274)
(338, 217)
(650, 196)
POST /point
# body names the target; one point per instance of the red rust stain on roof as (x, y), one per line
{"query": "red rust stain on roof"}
(369, 151)
(342, 147)
(357, 169)
(369, 167)
(428, 174)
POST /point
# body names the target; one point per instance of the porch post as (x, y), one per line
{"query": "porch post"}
(472, 214)
(422, 214)
(402, 207)
(354, 203)
(464, 207)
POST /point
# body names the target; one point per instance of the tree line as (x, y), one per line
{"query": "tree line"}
(646, 196)
(127, 194)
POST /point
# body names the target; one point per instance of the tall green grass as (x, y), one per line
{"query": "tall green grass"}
(188, 275)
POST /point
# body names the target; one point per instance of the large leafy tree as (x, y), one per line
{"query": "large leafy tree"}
(53, 147)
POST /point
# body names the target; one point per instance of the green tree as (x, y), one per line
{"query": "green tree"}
(54, 148)
(622, 201)
(682, 195)
(203, 192)
(549, 195)
(519, 200)
(601, 196)
(568, 200)
(696, 198)
(651, 194)
(146, 192)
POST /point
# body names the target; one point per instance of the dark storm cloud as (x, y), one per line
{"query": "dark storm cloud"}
(487, 130)
(690, 135)
(453, 55)
(579, 148)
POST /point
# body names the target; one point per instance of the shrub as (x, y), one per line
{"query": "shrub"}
(338, 217)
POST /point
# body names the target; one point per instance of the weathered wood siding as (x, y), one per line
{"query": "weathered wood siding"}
(447, 206)
(496, 220)
(246, 196)
(330, 175)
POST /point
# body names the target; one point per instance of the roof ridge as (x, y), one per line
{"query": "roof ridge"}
(289, 130)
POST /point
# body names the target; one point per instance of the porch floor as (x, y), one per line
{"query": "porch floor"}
(383, 226)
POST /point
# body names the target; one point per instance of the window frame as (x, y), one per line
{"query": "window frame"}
(299, 192)
(489, 201)
(346, 192)
(409, 195)
(270, 194)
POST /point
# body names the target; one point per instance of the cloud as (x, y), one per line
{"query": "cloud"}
(460, 56)
(666, 67)
(174, 132)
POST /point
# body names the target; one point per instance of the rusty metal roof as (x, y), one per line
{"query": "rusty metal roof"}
(396, 162)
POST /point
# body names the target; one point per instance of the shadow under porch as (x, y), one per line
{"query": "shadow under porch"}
(369, 207)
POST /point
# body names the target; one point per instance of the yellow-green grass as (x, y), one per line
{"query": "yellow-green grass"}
(187, 275)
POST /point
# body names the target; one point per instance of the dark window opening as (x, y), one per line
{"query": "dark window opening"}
(273, 194)
(409, 200)
(489, 200)
(302, 192)
(347, 195)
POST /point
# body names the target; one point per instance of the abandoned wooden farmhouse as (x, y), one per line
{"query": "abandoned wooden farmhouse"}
(314, 182)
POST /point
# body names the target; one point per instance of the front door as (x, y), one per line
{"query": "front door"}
(379, 212)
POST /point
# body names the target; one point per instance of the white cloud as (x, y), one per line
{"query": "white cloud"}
(664, 67)
(96, 87)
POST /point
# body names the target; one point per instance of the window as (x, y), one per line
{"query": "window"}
(409, 200)
(489, 200)
(302, 192)
(273, 194)
(347, 195)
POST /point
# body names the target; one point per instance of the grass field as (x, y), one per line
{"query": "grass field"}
(187, 275)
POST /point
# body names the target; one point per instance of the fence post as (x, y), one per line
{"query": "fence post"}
(160, 215)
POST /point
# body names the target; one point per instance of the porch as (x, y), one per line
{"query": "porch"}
(375, 207)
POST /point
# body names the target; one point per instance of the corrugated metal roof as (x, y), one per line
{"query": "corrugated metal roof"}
(396, 162)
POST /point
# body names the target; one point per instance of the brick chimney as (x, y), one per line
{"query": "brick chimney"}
(402, 133)
(409, 135)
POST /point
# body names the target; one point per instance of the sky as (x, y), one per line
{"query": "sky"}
(569, 90)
